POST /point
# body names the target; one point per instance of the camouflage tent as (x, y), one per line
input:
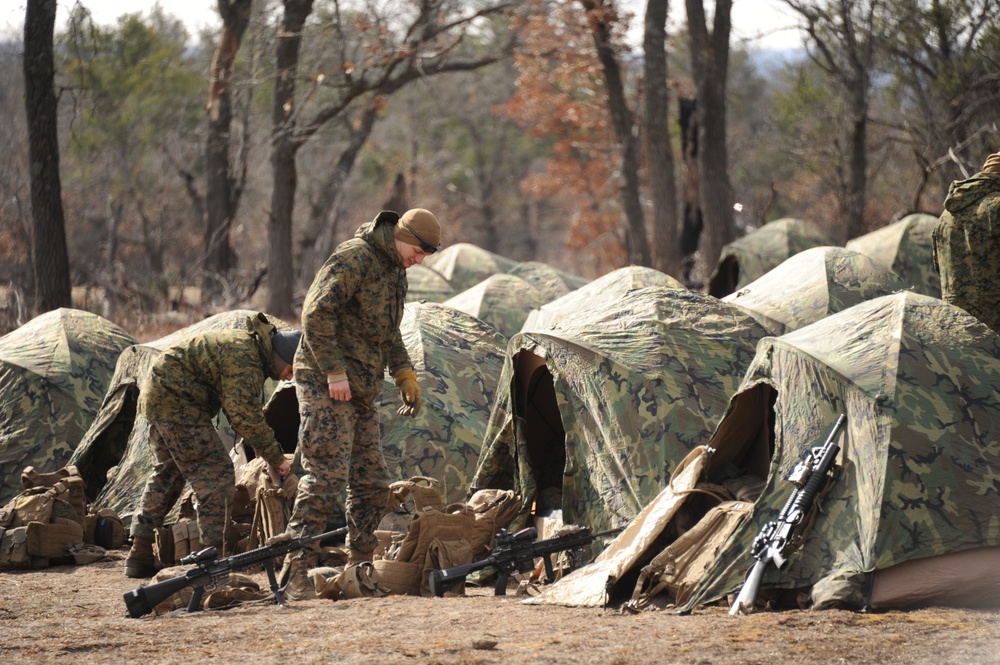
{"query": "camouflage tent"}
(502, 301)
(751, 256)
(812, 284)
(918, 484)
(906, 248)
(550, 282)
(458, 360)
(607, 287)
(465, 265)
(593, 414)
(54, 371)
(427, 284)
(114, 456)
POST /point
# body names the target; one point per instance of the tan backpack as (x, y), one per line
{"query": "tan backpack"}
(44, 520)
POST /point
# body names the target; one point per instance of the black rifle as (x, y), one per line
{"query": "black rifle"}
(779, 537)
(212, 571)
(515, 553)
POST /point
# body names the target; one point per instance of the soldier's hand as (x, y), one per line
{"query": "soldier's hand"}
(340, 391)
(409, 392)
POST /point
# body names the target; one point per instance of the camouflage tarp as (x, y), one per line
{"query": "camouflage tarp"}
(812, 284)
(427, 284)
(54, 371)
(502, 301)
(920, 452)
(465, 265)
(607, 287)
(905, 248)
(593, 415)
(550, 282)
(114, 456)
(458, 360)
(747, 258)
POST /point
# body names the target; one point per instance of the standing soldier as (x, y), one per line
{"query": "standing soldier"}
(967, 244)
(191, 381)
(350, 324)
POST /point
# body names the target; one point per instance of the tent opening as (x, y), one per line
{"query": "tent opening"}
(539, 427)
(282, 416)
(726, 278)
(744, 441)
(110, 445)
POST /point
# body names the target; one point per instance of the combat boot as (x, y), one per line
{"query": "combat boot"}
(140, 562)
(294, 577)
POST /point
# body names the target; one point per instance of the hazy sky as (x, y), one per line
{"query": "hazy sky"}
(765, 22)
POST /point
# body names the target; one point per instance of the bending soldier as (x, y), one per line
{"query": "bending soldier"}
(185, 389)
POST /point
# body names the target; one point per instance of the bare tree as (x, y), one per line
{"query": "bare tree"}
(427, 45)
(659, 153)
(601, 16)
(224, 180)
(49, 253)
(710, 66)
(843, 41)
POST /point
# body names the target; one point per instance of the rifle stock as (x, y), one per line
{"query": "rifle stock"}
(211, 570)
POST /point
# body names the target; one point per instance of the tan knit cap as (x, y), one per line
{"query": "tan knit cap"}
(420, 228)
(992, 164)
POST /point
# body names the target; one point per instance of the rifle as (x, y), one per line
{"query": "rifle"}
(516, 553)
(778, 537)
(211, 571)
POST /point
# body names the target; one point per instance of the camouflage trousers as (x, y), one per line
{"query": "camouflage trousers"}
(194, 454)
(339, 446)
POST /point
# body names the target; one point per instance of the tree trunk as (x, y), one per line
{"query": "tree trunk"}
(710, 63)
(858, 166)
(223, 181)
(284, 146)
(659, 153)
(49, 253)
(636, 242)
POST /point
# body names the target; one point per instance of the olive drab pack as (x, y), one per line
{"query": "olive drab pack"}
(438, 536)
(44, 520)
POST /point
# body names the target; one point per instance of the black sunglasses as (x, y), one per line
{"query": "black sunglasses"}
(424, 245)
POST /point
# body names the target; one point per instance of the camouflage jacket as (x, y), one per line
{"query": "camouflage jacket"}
(967, 247)
(352, 312)
(218, 369)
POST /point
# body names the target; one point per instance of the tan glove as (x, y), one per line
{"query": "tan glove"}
(409, 392)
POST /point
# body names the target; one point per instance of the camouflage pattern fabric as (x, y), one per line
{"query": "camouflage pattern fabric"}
(605, 288)
(199, 375)
(54, 371)
(813, 284)
(907, 249)
(351, 314)
(551, 283)
(192, 453)
(637, 382)
(750, 257)
(502, 301)
(427, 284)
(114, 455)
(917, 378)
(967, 247)
(465, 265)
(458, 360)
(339, 447)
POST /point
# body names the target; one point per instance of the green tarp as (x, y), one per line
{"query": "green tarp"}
(907, 249)
(464, 265)
(813, 284)
(920, 460)
(593, 414)
(502, 301)
(54, 371)
(747, 258)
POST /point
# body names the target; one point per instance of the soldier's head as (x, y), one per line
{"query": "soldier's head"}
(417, 235)
(283, 348)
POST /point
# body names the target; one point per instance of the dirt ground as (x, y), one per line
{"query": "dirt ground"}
(77, 614)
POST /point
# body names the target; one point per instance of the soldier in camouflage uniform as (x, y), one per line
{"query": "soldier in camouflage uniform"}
(967, 244)
(350, 325)
(190, 382)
